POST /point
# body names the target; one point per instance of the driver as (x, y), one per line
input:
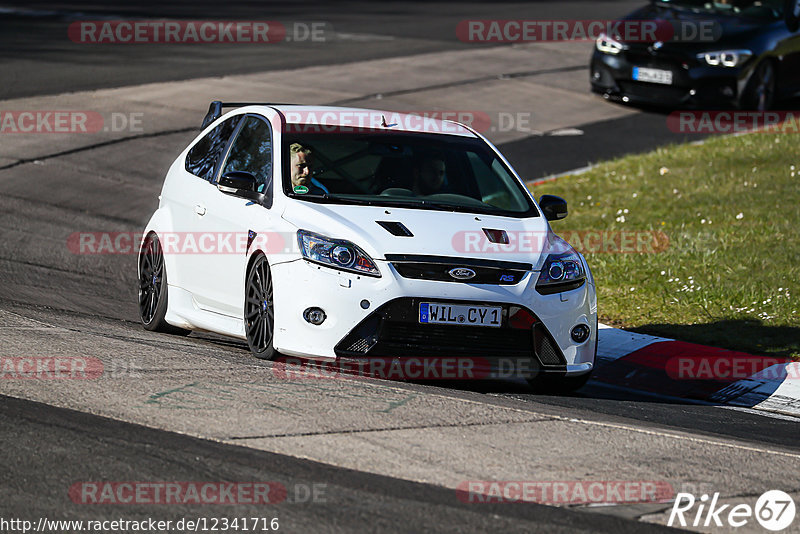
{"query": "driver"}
(300, 165)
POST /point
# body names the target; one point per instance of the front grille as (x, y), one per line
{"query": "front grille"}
(394, 330)
(654, 92)
(426, 340)
(439, 269)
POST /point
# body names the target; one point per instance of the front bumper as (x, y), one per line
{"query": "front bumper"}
(378, 317)
(693, 85)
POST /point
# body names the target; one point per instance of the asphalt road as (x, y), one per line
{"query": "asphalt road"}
(318, 498)
(383, 471)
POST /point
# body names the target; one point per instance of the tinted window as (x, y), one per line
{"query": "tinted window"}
(252, 152)
(404, 169)
(203, 157)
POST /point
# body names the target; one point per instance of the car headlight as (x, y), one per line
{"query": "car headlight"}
(607, 45)
(725, 58)
(561, 272)
(336, 253)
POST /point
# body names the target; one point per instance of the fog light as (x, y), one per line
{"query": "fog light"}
(580, 333)
(314, 316)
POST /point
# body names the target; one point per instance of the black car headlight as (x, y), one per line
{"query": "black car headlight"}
(561, 272)
(725, 58)
(336, 253)
(607, 45)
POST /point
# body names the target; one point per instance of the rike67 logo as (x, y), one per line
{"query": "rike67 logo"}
(774, 510)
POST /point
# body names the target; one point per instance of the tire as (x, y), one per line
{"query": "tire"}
(760, 92)
(259, 310)
(558, 385)
(153, 288)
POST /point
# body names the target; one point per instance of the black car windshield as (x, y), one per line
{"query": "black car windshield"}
(760, 9)
(400, 169)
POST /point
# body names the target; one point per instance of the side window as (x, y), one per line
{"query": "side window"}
(203, 157)
(252, 152)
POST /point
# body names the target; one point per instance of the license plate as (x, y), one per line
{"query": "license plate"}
(642, 74)
(461, 315)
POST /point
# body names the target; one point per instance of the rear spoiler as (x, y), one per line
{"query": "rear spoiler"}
(215, 109)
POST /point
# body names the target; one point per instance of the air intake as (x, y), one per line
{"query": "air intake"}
(396, 228)
(496, 236)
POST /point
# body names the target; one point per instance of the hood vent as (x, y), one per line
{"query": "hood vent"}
(396, 228)
(496, 236)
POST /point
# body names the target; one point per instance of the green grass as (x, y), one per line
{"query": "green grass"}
(730, 275)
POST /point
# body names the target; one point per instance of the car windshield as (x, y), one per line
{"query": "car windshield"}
(760, 9)
(401, 169)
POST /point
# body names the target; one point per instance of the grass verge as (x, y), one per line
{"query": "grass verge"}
(725, 266)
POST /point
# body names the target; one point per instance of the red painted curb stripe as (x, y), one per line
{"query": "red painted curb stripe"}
(680, 369)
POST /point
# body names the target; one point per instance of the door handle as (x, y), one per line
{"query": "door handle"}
(200, 210)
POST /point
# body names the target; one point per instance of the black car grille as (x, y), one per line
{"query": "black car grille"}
(439, 268)
(394, 330)
(662, 59)
(420, 340)
(654, 92)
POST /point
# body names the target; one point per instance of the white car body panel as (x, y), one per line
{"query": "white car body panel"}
(206, 291)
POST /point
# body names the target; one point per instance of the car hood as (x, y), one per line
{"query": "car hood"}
(435, 233)
(728, 30)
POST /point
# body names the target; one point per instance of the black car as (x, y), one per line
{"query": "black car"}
(746, 55)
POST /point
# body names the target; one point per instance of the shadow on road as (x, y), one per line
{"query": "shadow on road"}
(774, 341)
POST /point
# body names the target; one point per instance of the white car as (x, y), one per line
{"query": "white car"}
(343, 234)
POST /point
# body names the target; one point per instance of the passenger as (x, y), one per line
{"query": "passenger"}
(429, 176)
(301, 171)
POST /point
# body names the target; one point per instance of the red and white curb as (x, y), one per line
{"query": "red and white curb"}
(671, 368)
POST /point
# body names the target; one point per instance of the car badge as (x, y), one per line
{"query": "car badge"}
(251, 235)
(462, 273)
(300, 189)
(658, 45)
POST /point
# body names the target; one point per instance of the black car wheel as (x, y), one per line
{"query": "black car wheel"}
(259, 310)
(760, 91)
(153, 288)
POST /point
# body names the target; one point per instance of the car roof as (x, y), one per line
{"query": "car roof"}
(435, 122)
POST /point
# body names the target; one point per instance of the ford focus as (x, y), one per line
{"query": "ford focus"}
(345, 234)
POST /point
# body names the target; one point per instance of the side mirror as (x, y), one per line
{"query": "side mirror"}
(553, 207)
(791, 14)
(240, 184)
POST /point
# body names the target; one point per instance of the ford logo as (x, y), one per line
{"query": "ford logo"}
(462, 273)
